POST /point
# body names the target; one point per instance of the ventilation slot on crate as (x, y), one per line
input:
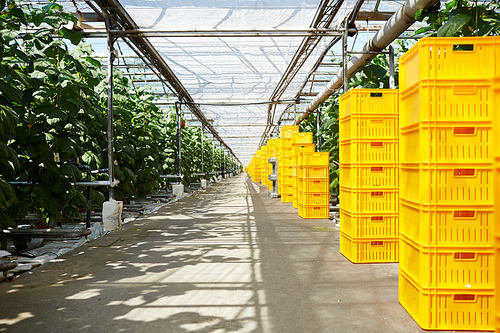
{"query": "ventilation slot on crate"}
(464, 297)
(464, 172)
(464, 130)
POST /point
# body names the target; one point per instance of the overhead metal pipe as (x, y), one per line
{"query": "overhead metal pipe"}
(395, 26)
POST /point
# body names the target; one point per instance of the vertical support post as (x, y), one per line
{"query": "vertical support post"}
(392, 82)
(220, 160)
(89, 198)
(344, 55)
(213, 154)
(111, 160)
(202, 148)
(179, 143)
(318, 128)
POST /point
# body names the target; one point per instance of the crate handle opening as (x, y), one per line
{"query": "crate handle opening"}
(376, 144)
(377, 194)
(377, 120)
(377, 218)
(463, 47)
(464, 130)
(464, 214)
(464, 172)
(464, 297)
(464, 256)
(464, 89)
(317, 208)
(376, 94)
(377, 243)
(377, 169)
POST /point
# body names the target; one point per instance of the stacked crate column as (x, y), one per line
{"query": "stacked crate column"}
(313, 185)
(496, 182)
(264, 166)
(446, 169)
(285, 169)
(369, 184)
(302, 142)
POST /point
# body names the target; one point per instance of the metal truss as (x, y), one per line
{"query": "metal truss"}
(113, 10)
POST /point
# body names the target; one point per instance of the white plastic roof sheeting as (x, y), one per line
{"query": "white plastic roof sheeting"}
(231, 69)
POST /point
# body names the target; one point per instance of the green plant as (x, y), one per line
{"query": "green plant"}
(460, 18)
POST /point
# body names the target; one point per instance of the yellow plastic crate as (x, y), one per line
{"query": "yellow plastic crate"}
(285, 142)
(295, 201)
(450, 58)
(447, 225)
(313, 172)
(368, 127)
(313, 185)
(286, 170)
(314, 198)
(459, 142)
(496, 186)
(314, 159)
(446, 101)
(447, 309)
(357, 200)
(287, 189)
(450, 184)
(287, 197)
(302, 147)
(314, 212)
(369, 250)
(286, 160)
(369, 225)
(368, 101)
(286, 180)
(287, 130)
(447, 267)
(369, 151)
(295, 171)
(365, 175)
(304, 137)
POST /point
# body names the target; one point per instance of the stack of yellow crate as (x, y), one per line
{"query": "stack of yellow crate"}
(285, 167)
(313, 185)
(301, 142)
(446, 269)
(257, 174)
(271, 152)
(496, 182)
(264, 168)
(368, 120)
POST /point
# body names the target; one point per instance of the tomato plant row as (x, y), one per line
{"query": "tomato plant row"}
(53, 119)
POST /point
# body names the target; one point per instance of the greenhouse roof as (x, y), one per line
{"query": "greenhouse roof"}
(234, 57)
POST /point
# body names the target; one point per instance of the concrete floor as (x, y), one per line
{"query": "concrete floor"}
(228, 259)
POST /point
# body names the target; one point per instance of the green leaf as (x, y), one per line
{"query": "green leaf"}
(7, 195)
(56, 115)
(8, 121)
(9, 35)
(54, 21)
(67, 145)
(74, 36)
(453, 26)
(9, 91)
(72, 171)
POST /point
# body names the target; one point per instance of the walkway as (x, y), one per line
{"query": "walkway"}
(228, 259)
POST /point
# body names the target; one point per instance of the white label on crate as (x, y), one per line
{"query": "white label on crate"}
(468, 286)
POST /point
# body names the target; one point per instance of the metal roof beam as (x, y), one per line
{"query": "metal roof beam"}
(122, 20)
